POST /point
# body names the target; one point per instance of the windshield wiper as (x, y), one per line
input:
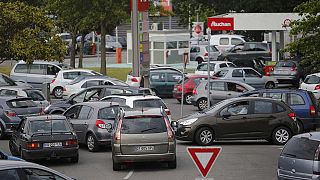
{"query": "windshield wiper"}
(148, 129)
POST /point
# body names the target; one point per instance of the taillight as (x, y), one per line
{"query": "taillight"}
(100, 124)
(72, 142)
(168, 112)
(169, 130)
(317, 87)
(52, 81)
(10, 113)
(134, 79)
(312, 110)
(292, 115)
(206, 54)
(194, 92)
(33, 145)
(179, 88)
(117, 135)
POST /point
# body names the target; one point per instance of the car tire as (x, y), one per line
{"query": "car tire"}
(92, 143)
(199, 60)
(202, 104)
(172, 164)
(116, 166)
(2, 132)
(75, 159)
(281, 135)
(187, 99)
(58, 92)
(270, 85)
(204, 136)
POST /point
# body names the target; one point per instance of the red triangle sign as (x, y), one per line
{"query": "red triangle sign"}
(204, 158)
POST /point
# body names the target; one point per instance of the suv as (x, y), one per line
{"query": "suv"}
(37, 73)
(143, 135)
(303, 103)
(200, 53)
(300, 158)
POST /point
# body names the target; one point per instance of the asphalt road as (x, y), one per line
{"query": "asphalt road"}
(238, 160)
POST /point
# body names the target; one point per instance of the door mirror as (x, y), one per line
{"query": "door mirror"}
(226, 114)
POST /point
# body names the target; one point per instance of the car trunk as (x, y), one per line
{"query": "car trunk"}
(52, 141)
(282, 71)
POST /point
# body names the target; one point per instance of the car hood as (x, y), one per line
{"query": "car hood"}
(191, 116)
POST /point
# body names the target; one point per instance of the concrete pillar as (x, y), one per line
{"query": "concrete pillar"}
(274, 46)
(281, 43)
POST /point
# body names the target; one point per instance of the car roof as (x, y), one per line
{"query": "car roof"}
(99, 104)
(41, 62)
(140, 112)
(75, 70)
(232, 68)
(45, 117)
(135, 97)
(252, 98)
(21, 88)
(315, 74)
(276, 90)
(311, 135)
(115, 87)
(216, 62)
(229, 35)
(8, 98)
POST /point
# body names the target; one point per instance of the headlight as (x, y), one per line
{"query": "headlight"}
(189, 121)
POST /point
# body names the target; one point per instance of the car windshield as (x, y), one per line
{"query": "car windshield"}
(48, 126)
(221, 73)
(21, 103)
(149, 103)
(143, 125)
(108, 113)
(212, 49)
(77, 80)
(285, 64)
(120, 83)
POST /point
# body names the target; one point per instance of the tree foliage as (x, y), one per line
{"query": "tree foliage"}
(26, 34)
(309, 28)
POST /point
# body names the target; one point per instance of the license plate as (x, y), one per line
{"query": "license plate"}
(144, 148)
(55, 144)
(281, 72)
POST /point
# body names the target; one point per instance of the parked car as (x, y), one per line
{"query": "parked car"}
(303, 103)
(7, 81)
(248, 76)
(37, 73)
(66, 76)
(83, 82)
(12, 110)
(45, 137)
(123, 42)
(190, 82)
(215, 66)
(93, 94)
(224, 42)
(248, 50)
(139, 101)
(299, 158)
(240, 118)
(4, 156)
(288, 72)
(18, 170)
(200, 53)
(35, 95)
(219, 90)
(256, 64)
(141, 136)
(312, 84)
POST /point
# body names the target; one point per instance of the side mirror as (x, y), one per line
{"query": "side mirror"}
(72, 116)
(226, 115)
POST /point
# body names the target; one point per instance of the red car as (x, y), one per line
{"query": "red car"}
(190, 82)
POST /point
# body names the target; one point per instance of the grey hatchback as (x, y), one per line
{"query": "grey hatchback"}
(143, 135)
(300, 158)
(93, 122)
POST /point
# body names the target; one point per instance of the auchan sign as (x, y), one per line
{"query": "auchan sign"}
(220, 24)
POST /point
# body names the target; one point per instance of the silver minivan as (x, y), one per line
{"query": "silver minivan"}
(37, 73)
(300, 158)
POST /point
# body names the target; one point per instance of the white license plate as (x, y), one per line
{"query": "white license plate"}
(144, 148)
(55, 144)
(281, 72)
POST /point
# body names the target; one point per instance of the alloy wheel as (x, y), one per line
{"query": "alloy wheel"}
(282, 136)
(206, 137)
(90, 143)
(188, 99)
(202, 105)
(58, 92)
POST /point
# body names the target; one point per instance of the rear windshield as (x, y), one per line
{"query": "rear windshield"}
(21, 103)
(48, 126)
(300, 148)
(221, 73)
(143, 125)
(312, 80)
(108, 113)
(149, 103)
(35, 95)
(286, 64)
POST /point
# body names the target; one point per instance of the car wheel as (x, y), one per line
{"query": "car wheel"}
(172, 164)
(281, 135)
(57, 92)
(92, 143)
(270, 85)
(75, 159)
(204, 136)
(116, 166)
(199, 60)
(187, 99)
(202, 104)
(2, 131)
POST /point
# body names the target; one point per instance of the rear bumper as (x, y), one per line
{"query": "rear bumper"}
(286, 79)
(119, 158)
(310, 123)
(50, 153)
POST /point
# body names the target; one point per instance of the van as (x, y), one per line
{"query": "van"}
(224, 42)
(37, 73)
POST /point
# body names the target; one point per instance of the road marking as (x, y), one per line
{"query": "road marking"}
(129, 175)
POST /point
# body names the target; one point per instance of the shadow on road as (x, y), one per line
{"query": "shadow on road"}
(229, 143)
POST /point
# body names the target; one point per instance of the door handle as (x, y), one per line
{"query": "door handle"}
(229, 94)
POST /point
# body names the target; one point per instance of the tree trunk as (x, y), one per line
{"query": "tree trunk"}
(80, 65)
(73, 51)
(103, 69)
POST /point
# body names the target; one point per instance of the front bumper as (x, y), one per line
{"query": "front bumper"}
(50, 153)
(119, 158)
(184, 133)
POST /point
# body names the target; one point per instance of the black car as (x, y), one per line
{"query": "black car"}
(45, 137)
(93, 94)
(12, 110)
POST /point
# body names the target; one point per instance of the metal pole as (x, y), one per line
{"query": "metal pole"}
(117, 34)
(135, 40)
(209, 37)
(182, 95)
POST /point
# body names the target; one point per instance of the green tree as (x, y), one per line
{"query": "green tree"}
(26, 34)
(309, 28)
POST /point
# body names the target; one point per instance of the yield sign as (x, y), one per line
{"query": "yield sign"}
(204, 157)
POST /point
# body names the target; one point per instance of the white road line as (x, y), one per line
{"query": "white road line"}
(129, 175)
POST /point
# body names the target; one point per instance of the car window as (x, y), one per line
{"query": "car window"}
(251, 73)
(286, 64)
(48, 126)
(312, 80)
(174, 77)
(121, 101)
(108, 113)
(21, 126)
(92, 83)
(85, 112)
(280, 109)
(92, 95)
(108, 83)
(150, 103)
(11, 174)
(212, 49)
(300, 148)
(21, 103)
(237, 73)
(221, 73)
(231, 65)
(39, 174)
(204, 67)
(35, 95)
(37, 69)
(143, 125)
(5, 81)
(70, 75)
(8, 92)
(295, 99)
(262, 107)
(198, 80)
(21, 68)
(236, 41)
(223, 65)
(235, 87)
(278, 96)
(110, 91)
(52, 70)
(224, 41)
(217, 86)
(79, 97)
(193, 50)
(159, 77)
(238, 108)
(73, 112)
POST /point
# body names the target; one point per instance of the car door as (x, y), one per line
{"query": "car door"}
(234, 90)
(297, 103)
(233, 125)
(72, 115)
(82, 122)
(217, 91)
(253, 78)
(15, 140)
(172, 79)
(157, 82)
(237, 75)
(36, 75)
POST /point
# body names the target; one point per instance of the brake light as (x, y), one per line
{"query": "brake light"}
(117, 136)
(206, 54)
(179, 88)
(194, 92)
(52, 81)
(169, 130)
(72, 142)
(312, 110)
(168, 112)
(134, 79)
(317, 87)
(33, 145)
(10, 113)
(292, 115)
(100, 124)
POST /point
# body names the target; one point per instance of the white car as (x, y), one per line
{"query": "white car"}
(139, 101)
(215, 66)
(312, 84)
(224, 42)
(66, 76)
(83, 82)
